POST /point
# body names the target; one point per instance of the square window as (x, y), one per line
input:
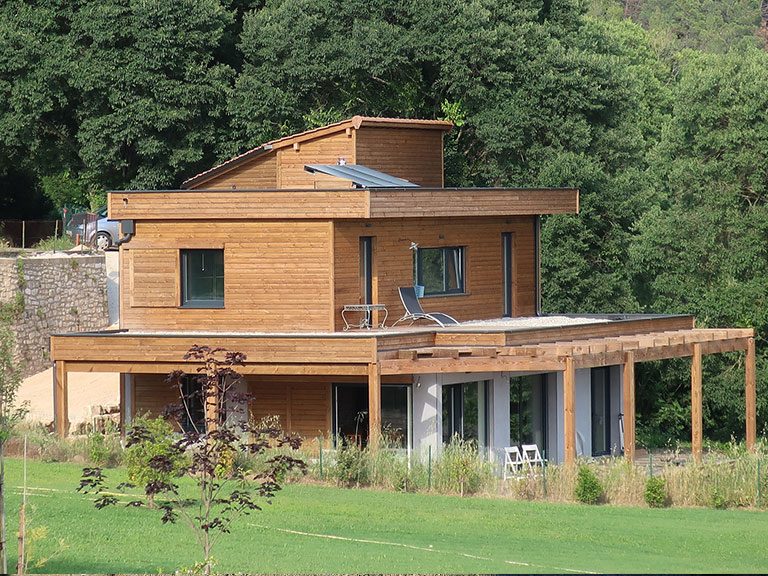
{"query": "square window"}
(440, 270)
(202, 278)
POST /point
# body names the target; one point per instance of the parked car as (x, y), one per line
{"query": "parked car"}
(95, 229)
(106, 232)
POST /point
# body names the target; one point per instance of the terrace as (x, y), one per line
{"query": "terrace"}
(562, 343)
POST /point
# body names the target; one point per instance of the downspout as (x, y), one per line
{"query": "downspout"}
(537, 263)
(127, 229)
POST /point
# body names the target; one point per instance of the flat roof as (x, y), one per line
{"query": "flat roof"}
(489, 326)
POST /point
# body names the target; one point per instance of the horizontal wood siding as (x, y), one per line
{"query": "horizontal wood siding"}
(414, 203)
(258, 173)
(291, 160)
(157, 348)
(276, 276)
(235, 205)
(394, 263)
(302, 405)
(413, 154)
(153, 278)
(152, 394)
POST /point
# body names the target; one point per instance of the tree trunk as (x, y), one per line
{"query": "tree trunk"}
(3, 548)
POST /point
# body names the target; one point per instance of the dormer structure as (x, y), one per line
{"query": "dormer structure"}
(295, 252)
(408, 149)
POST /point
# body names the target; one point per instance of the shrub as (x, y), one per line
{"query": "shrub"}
(588, 488)
(104, 450)
(156, 440)
(352, 466)
(54, 243)
(718, 499)
(461, 469)
(656, 492)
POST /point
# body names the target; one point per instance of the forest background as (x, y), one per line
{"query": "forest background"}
(656, 109)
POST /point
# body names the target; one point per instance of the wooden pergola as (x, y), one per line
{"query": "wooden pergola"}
(567, 356)
(372, 356)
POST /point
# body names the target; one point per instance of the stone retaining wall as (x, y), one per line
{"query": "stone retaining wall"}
(42, 294)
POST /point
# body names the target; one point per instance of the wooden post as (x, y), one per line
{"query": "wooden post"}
(569, 419)
(628, 374)
(126, 401)
(212, 406)
(696, 417)
(750, 394)
(374, 405)
(60, 399)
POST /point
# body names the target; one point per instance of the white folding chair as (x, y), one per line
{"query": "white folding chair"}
(513, 461)
(532, 456)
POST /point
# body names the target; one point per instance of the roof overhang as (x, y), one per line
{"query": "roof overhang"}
(345, 203)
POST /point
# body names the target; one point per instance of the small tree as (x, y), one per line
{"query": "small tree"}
(225, 488)
(10, 415)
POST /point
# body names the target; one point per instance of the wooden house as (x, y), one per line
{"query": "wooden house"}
(273, 252)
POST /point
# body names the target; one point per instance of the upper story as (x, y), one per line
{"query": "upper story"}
(282, 237)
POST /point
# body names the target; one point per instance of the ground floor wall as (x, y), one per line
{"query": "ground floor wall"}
(430, 408)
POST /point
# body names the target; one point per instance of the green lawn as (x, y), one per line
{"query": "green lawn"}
(317, 529)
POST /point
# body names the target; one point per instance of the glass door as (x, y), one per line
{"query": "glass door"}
(601, 410)
(528, 410)
(350, 414)
(465, 412)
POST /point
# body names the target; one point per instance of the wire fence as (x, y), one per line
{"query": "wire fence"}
(79, 226)
(27, 233)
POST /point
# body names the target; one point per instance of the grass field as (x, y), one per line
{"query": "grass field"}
(320, 529)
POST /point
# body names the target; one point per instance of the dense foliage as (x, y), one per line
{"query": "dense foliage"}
(655, 109)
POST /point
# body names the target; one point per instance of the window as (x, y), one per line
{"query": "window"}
(440, 270)
(466, 412)
(202, 278)
(350, 414)
(192, 404)
(528, 410)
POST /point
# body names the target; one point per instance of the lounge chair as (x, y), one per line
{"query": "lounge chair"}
(413, 310)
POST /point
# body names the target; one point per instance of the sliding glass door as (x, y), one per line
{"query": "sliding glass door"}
(350, 414)
(528, 410)
(601, 410)
(465, 412)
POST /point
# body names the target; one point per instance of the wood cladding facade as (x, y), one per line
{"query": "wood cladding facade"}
(393, 264)
(277, 276)
(412, 154)
(297, 276)
(260, 172)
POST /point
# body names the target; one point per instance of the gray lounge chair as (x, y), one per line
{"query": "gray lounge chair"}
(413, 310)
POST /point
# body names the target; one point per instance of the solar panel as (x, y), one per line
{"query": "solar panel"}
(361, 176)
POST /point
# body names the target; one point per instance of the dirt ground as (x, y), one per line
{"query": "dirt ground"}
(86, 390)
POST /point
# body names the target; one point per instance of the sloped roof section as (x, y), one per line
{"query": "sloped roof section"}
(355, 122)
(361, 176)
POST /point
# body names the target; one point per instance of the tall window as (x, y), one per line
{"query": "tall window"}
(528, 410)
(465, 412)
(192, 404)
(601, 410)
(440, 270)
(202, 278)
